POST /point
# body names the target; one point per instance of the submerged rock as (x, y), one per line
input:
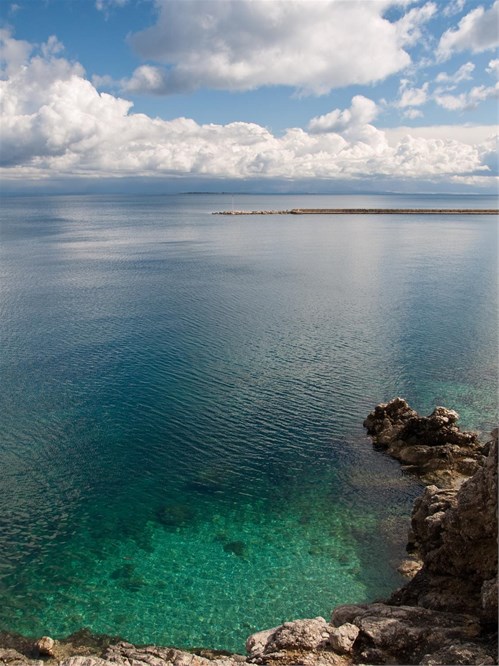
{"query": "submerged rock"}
(236, 548)
(175, 515)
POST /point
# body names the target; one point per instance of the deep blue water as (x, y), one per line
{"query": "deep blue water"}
(182, 458)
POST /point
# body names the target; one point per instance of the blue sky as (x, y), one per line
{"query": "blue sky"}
(327, 94)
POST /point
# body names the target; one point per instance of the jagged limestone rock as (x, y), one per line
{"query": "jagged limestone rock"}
(455, 534)
(11, 657)
(432, 447)
(342, 638)
(313, 634)
(45, 646)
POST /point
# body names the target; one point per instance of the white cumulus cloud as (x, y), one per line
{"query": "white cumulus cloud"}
(310, 45)
(453, 7)
(13, 52)
(147, 79)
(361, 112)
(466, 100)
(493, 67)
(464, 73)
(106, 5)
(409, 26)
(55, 124)
(412, 113)
(411, 96)
(476, 32)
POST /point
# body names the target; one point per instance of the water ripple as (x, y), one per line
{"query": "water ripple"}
(182, 401)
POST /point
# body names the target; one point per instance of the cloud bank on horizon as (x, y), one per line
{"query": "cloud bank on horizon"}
(60, 122)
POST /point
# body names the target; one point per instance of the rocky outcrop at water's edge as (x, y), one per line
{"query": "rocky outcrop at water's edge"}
(445, 614)
(432, 447)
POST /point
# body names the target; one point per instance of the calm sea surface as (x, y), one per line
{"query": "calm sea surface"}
(182, 459)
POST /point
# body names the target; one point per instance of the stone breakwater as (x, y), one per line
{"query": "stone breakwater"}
(365, 211)
(445, 614)
(253, 212)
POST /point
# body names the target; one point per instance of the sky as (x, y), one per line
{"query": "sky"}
(249, 95)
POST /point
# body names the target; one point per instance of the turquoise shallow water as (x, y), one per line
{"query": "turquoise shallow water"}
(182, 395)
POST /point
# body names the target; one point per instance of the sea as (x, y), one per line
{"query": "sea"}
(182, 457)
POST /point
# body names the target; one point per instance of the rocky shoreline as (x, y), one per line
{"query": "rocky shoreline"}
(445, 614)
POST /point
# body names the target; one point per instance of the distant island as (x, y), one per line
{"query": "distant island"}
(365, 211)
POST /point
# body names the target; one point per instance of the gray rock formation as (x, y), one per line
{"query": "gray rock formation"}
(298, 635)
(454, 532)
(11, 657)
(404, 634)
(446, 614)
(432, 447)
(45, 646)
